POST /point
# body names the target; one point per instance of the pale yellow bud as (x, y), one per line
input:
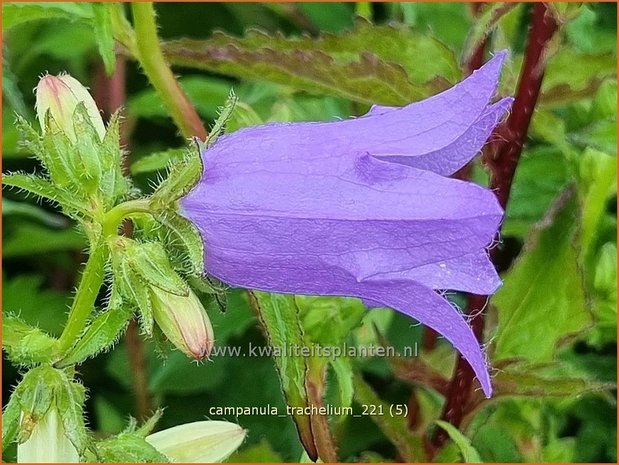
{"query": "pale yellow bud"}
(198, 442)
(60, 96)
(184, 322)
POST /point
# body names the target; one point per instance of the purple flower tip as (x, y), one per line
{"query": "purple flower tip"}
(361, 207)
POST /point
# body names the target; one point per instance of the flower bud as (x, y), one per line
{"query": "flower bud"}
(48, 442)
(198, 442)
(60, 95)
(184, 321)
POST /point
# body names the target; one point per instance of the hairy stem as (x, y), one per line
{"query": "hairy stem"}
(85, 297)
(502, 159)
(159, 73)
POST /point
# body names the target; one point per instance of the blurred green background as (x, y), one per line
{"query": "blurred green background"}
(563, 405)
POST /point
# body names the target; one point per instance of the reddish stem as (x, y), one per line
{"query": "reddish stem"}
(502, 159)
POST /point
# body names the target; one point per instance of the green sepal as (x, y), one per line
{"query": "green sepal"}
(86, 150)
(58, 157)
(183, 175)
(184, 232)
(225, 113)
(101, 335)
(128, 448)
(40, 389)
(135, 291)
(212, 287)
(150, 262)
(10, 420)
(114, 185)
(24, 344)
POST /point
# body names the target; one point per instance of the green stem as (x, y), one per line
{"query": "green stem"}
(116, 215)
(94, 273)
(84, 300)
(159, 73)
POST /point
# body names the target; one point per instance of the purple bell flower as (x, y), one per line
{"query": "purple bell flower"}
(361, 207)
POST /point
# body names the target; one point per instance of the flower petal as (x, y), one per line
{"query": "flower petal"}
(457, 153)
(472, 272)
(432, 310)
(417, 129)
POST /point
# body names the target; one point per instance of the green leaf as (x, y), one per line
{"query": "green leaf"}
(101, 335)
(542, 300)
(393, 427)
(157, 161)
(469, 454)
(104, 34)
(42, 188)
(30, 211)
(532, 194)
(24, 344)
(544, 380)
(571, 76)
(280, 319)
(10, 89)
(15, 13)
(24, 295)
(598, 181)
(30, 239)
(204, 92)
(372, 64)
(484, 24)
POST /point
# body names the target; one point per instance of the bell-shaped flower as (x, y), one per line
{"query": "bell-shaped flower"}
(362, 207)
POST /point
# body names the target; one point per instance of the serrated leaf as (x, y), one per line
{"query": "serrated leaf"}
(469, 454)
(104, 34)
(101, 334)
(280, 319)
(15, 13)
(572, 76)
(544, 380)
(372, 64)
(542, 300)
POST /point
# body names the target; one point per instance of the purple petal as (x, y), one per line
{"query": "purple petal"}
(421, 128)
(472, 273)
(457, 153)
